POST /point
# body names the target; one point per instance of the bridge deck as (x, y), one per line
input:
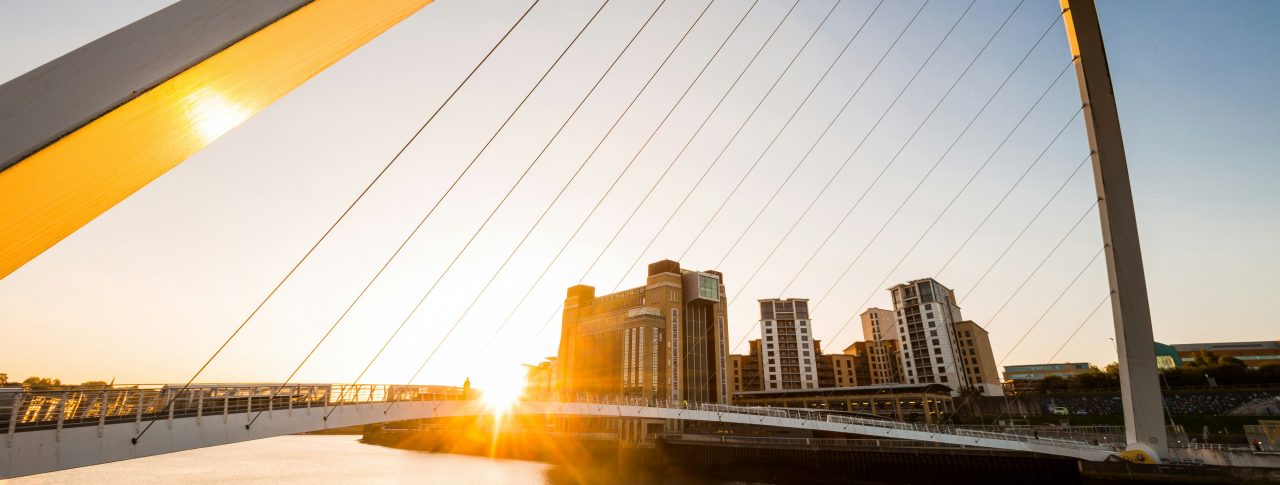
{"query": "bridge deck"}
(55, 430)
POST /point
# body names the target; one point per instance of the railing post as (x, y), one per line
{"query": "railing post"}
(199, 408)
(62, 414)
(226, 403)
(137, 422)
(18, 399)
(102, 414)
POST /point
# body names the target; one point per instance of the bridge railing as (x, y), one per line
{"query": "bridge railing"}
(30, 410)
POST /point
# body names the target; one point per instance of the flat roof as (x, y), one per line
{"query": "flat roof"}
(1259, 344)
(876, 389)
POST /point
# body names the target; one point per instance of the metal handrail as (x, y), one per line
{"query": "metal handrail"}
(50, 409)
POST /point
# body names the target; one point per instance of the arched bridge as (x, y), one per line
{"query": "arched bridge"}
(56, 430)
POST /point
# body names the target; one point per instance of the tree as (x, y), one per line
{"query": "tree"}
(1207, 359)
(4, 378)
(36, 382)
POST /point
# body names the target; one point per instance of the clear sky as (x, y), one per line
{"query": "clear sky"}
(145, 292)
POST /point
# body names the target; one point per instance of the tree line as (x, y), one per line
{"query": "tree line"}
(1205, 369)
(38, 383)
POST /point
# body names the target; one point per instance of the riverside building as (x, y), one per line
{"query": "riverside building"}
(788, 356)
(926, 314)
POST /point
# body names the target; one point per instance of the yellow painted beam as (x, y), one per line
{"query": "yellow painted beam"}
(55, 191)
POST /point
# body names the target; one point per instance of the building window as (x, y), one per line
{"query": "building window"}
(708, 288)
(935, 342)
(933, 333)
(944, 378)
(939, 360)
(928, 315)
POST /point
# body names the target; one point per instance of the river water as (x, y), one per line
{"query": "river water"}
(315, 459)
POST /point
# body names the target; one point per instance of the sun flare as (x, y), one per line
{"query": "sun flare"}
(501, 388)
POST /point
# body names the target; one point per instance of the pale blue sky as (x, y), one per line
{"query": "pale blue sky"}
(146, 291)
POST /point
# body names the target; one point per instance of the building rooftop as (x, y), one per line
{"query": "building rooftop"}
(876, 389)
(1260, 344)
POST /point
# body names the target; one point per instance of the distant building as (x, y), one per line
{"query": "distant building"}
(880, 331)
(745, 369)
(928, 403)
(1253, 354)
(977, 359)
(1167, 357)
(926, 314)
(841, 370)
(789, 359)
(665, 340)
(539, 379)
(1035, 372)
(1025, 377)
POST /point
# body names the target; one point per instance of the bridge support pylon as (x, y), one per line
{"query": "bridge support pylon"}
(1135, 344)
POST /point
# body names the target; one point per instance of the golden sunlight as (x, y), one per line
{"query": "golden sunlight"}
(213, 114)
(501, 387)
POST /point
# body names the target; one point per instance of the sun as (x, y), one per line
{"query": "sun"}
(501, 387)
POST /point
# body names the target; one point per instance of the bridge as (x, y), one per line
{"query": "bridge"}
(55, 430)
(55, 178)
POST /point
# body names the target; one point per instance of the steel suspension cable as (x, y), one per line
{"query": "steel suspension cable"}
(617, 179)
(676, 159)
(805, 158)
(830, 180)
(1079, 327)
(1063, 293)
(632, 161)
(335, 223)
(974, 287)
(1042, 262)
(893, 160)
(804, 102)
(790, 64)
(998, 205)
(494, 276)
(1026, 226)
(946, 209)
(932, 168)
(424, 219)
(563, 188)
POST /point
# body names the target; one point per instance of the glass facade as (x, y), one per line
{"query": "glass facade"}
(708, 288)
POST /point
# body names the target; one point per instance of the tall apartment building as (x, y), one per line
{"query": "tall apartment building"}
(926, 313)
(789, 359)
(977, 359)
(664, 340)
(880, 331)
